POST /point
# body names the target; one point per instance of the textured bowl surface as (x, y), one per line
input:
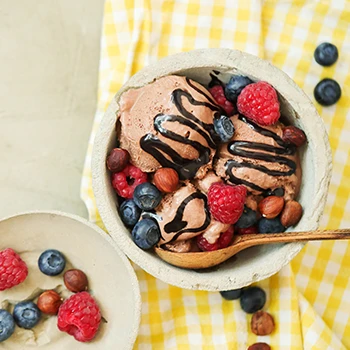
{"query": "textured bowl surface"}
(255, 263)
(111, 278)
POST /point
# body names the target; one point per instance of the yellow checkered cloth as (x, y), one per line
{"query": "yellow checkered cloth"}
(310, 298)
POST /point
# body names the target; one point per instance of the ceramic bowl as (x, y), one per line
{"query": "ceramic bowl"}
(112, 280)
(253, 264)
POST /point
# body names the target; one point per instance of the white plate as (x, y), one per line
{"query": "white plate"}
(112, 280)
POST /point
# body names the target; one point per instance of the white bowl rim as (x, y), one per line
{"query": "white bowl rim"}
(131, 272)
(220, 59)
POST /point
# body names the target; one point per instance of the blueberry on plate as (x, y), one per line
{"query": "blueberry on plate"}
(7, 325)
(231, 294)
(51, 262)
(327, 92)
(129, 212)
(247, 219)
(326, 54)
(223, 126)
(235, 86)
(26, 314)
(146, 234)
(147, 196)
(270, 226)
(252, 299)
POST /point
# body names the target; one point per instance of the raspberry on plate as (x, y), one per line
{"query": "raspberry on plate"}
(217, 91)
(259, 102)
(223, 241)
(79, 316)
(226, 202)
(126, 181)
(13, 270)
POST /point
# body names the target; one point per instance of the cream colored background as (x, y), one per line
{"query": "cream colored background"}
(49, 53)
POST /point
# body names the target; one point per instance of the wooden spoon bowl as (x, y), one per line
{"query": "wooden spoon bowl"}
(202, 260)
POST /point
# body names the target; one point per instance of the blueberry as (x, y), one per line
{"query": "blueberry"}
(327, 92)
(231, 294)
(129, 212)
(248, 218)
(270, 225)
(51, 262)
(279, 192)
(223, 126)
(147, 196)
(234, 87)
(326, 54)
(7, 325)
(26, 314)
(150, 215)
(146, 234)
(252, 299)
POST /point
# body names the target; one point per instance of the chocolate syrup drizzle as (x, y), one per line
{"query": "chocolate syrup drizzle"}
(273, 154)
(178, 224)
(186, 168)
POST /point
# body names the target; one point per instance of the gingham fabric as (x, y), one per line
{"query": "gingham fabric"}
(310, 298)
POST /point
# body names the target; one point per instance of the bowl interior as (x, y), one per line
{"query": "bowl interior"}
(255, 263)
(112, 280)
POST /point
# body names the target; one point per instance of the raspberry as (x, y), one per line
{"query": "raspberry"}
(126, 180)
(259, 102)
(79, 316)
(224, 241)
(226, 202)
(247, 231)
(225, 238)
(204, 245)
(13, 270)
(217, 91)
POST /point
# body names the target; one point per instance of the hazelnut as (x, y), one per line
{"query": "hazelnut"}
(293, 135)
(166, 180)
(259, 346)
(75, 280)
(117, 160)
(291, 213)
(49, 302)
(271, 206)
(262, 323)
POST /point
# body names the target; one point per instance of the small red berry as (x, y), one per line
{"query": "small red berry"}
(13, 270)
(223, 241)
(225, 238)
(247, 231)
(204, 245)
(259, 102)
(217, 91)
(226, 202)
(79, 316)
(126, 181)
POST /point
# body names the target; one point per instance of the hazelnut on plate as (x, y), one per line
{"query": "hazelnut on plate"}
(49, 302)
(75, 280)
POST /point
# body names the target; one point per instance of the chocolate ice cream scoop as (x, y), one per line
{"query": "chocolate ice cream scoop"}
(258, 158)
(183, 214)
(169, 123)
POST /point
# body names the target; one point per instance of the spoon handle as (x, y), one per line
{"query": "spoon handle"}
(286, 237)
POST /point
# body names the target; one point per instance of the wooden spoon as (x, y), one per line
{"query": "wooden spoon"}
(202, 260)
